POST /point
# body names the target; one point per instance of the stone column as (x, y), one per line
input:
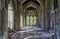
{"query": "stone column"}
(39, 15)
(3, 19)
(59, 12)
(0, 21)
(21, 17)
(43, 17)
(59, 8)
(46, 18)
(16, 6)
(5, 23)
(52, 16)
(58, 30)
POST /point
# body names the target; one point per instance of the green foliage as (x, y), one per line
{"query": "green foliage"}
(31, 20)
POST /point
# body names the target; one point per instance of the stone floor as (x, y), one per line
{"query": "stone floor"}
(32, 34)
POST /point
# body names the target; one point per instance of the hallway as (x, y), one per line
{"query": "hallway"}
(29, 19)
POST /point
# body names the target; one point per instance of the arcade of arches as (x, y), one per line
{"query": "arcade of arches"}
(17, 14)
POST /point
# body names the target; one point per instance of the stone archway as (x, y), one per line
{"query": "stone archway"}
(31, 14)
(33, 4)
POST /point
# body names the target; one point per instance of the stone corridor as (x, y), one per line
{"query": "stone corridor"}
(29, 19)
